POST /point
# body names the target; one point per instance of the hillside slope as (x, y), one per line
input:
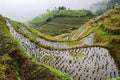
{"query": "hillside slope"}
(61, 21)
(69, 60)
(16, 65)
(89, 61)
(106, 28)
(107, 31)
(86, 59)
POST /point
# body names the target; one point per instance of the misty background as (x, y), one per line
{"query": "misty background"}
(25, 10)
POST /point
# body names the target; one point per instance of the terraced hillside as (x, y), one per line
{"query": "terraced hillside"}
(108, 32)
(88, 62)
(89, 53)
(61, 21)
(106, 28)
(15, 64)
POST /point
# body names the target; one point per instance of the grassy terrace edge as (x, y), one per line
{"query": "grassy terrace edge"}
(49, 47)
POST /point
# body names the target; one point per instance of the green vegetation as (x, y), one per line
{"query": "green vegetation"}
(47, 58)
(61, 13)
(59, 73)
(74, 13)
(9, 64)
(80, 33)
(32, 58)
(43, 18)
(61, 21)
(60, 37)
(107, 31)
(15, 64)
(75, 54)
(118, 78)
(53, 29)
(72, 43)
(33, 34)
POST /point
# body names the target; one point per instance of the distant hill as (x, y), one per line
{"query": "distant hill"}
(61, 21)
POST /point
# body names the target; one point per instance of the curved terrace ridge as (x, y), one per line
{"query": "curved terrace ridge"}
(91, 63)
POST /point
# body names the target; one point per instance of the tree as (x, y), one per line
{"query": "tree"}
(62, 8)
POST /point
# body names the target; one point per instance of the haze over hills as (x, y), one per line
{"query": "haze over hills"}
(91, 52)
(25, 10)
(102, 6)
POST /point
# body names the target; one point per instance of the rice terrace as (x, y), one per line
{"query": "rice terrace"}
(59, 40)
